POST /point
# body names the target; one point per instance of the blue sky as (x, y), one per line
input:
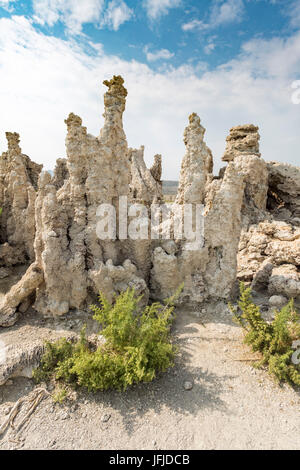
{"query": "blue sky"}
(231, 61)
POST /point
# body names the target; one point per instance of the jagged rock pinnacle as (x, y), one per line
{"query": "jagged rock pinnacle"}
(115, 86)
(13, 140)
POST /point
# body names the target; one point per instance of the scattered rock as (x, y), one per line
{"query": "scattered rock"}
(105, 418)
(277, 301)
(188, 385)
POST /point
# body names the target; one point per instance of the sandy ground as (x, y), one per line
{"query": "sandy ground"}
(230, 406)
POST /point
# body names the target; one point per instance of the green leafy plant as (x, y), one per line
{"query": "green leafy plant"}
(137, 346)
(273, 340)
(59, 395)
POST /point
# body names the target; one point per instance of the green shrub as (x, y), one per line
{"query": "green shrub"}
(59, 395)
(137, 346)
(273, 340)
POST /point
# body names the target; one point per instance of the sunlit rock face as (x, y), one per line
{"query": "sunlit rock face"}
(209, 269)
(269, 248)
(241, 233)
(18, 188)
(197, 164)
(242, 140)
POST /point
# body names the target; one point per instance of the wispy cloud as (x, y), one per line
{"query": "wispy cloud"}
(157, 8)
(209, 47)
(222, 13)
(195, 24)
(158, 55)
(7, 4)
(75, 13)
(230, 11)
(294, 13)
(116, 14)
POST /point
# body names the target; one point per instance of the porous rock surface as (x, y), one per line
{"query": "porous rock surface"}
(245, 230)
(197, 164)
(18, 188)
(207, 267)
(146, 185)
(269, 249)
(284, 191)
(74, 262)
(242, 140)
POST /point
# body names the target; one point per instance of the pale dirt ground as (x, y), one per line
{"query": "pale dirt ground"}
(231, 405)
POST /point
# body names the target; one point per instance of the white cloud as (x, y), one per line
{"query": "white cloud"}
(222, 13)
(7, 4)
(158, 55)
(294, 13)
(209, 48)
(75, 13)
(227, 12)
(194, 24)
(43, 78)
(116, 14)
(157, 8)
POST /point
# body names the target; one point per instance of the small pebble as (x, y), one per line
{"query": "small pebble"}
(105, 418)
(7, 410)
(188, 385)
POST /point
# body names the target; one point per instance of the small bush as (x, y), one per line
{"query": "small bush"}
(60, 395)
(137, 346)
(273, 340)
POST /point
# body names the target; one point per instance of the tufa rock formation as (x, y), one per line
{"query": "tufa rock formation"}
(156, 169)
(242, 140)
(208, 269)
(284, 192)
(146, 185)
(18, 189)
(75, 264)
(247, 225)
(269, 250)
(197, 164)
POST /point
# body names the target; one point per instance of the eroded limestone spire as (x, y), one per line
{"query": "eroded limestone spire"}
(115, 86)
(197, 164)
(18, 184)
(115, 97)
(144, 187)
(156, 169)
(13, 141)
